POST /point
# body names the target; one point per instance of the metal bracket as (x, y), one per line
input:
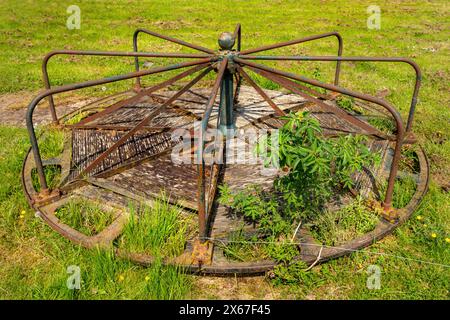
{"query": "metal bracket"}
(45, 196)
(390, 214)
(202, 252)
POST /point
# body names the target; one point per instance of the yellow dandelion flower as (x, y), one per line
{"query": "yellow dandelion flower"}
(147, 278)
(433, 235)
(419, 217)
(22, 212)
(447, 240)
(121, 278)
(300, 115)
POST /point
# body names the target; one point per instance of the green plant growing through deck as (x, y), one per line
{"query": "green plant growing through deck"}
(316, 167)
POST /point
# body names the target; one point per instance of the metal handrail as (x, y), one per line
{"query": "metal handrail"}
(103, 54)
(306, 39)
(152, 33)
(81, 85)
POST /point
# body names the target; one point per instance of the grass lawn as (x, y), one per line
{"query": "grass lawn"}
(414, 265)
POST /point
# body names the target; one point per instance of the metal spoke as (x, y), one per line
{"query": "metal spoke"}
(261, 92)
(331, 87)
(141, 94)
(306, 39)
(104, 54)
(291, 42)
(290, 85)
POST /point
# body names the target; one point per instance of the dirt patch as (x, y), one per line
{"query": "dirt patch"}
(235, 288)
(13, 108)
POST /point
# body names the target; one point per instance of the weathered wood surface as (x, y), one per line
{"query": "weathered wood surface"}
(179, 181)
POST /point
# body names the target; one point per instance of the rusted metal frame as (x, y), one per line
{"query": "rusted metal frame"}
(261, 92)
(282, 79)
(141, 124)
(301, 40)
(141, 94)
(288, 84)
(202, 214)
(378, 233)
(81, 85)
(412, 63)
(180, 42)
(398, 120)
(215, 170)
(103, 54)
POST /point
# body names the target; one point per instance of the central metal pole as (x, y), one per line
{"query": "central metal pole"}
(226, 121)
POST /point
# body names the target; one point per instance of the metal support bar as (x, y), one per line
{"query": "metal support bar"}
(86, 84)
(412, 63)
(201, 194)
(261, 92)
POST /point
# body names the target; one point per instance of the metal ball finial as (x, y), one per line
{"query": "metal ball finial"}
(226, 40)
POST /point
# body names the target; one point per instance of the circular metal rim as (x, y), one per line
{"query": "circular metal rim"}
(383, 229)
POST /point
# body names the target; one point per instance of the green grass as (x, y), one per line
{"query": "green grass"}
(160, 230)
(29, 29)
(51, 142)
(88, 217)
(334, 228)
(52, 176)
(29, 248)
(241, 248)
